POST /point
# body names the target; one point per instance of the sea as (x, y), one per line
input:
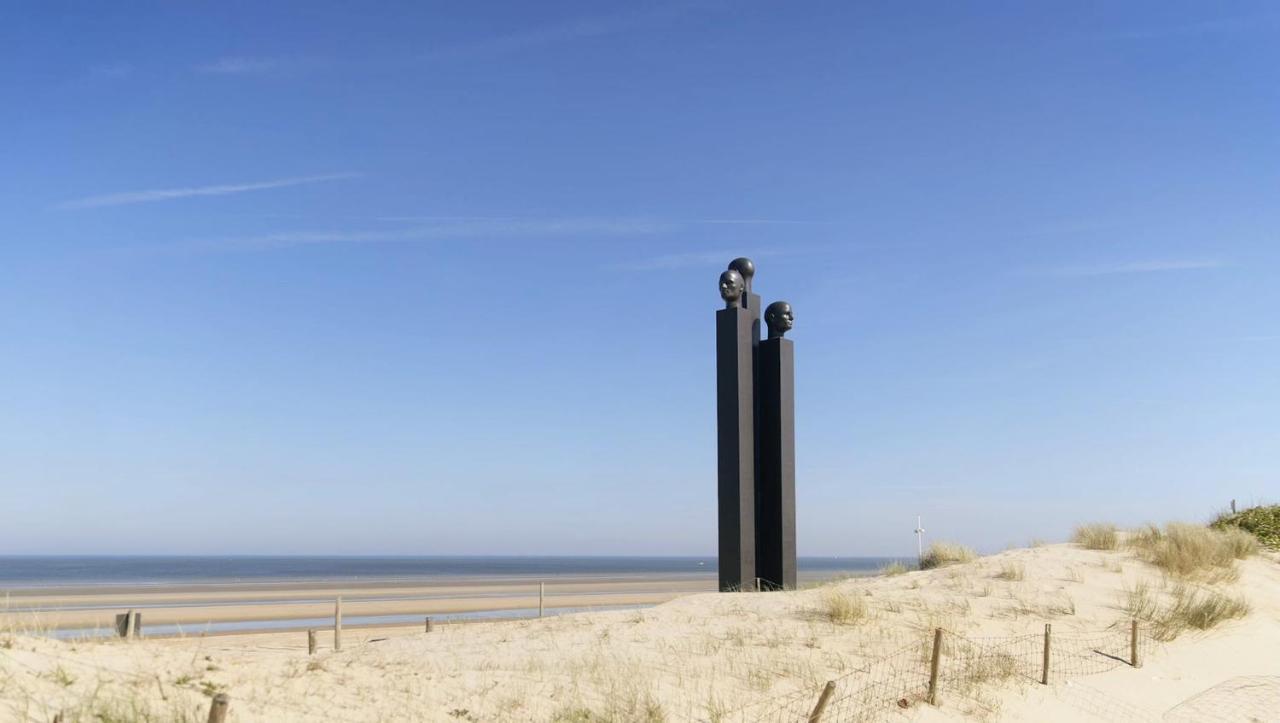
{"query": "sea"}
(45, 571)
(73, 576)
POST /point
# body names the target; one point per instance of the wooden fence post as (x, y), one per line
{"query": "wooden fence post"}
(426, 623)
(1044, 677)
(311, 642)
(130, 625)
(933, 666)
(1233, 507)
(1133, 644)
(823, 699)
(337, 623)
(218, 708)
(542, 591)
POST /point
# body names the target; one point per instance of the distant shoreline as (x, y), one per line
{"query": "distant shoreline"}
(19, 574)
(220, 605)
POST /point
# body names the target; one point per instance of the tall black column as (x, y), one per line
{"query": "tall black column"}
(776, 445)
(735, 426)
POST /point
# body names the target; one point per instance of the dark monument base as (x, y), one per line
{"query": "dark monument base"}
(736, 432)
(776, 485)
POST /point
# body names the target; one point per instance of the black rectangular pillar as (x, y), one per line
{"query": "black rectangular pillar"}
(735, 429)
(776, 481)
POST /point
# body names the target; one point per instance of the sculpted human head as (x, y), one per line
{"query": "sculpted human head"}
(780, 319)
(746, 268)
(731, 288)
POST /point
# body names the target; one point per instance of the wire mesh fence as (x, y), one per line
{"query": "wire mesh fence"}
(942, 667)
(949, 664)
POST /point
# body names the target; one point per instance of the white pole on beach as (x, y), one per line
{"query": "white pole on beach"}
(337, 623)
(919, 539)
(542, 591)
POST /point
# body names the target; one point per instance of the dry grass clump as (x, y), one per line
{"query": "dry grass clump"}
(893, 568)
(1263, 522)
(842, 609)
(1013, 571)
(1097, 536)
(1191, 551)
(1191, 608)
(940, 554)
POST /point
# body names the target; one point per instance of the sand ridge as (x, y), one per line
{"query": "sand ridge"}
(699, 657)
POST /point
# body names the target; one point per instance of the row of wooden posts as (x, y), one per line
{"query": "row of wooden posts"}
(129, 624)
(337, 621)
(824, 698)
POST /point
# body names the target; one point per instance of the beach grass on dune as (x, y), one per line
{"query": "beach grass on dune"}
(940, 554)
(1012, 571)
(1097, 536)
(842, 608)
(1189, 608)
(1262, 522)
(1192, 551)
(893, 568)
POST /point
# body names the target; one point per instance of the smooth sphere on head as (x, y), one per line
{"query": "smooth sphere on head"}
(744, 266)
(731, 287)
(780, 319)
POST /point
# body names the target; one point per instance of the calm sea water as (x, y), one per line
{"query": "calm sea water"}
(41, 571)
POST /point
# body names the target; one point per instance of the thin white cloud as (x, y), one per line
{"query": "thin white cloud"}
(1210, 26)
(470, 228)
(1140, 267)
(694, 259)
(493, 46)
(559, 32)
(755, 222)
(168, 194)
(243, 65)
(112, 71)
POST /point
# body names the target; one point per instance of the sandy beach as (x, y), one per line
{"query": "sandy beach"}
(706, 656)
(280, 602)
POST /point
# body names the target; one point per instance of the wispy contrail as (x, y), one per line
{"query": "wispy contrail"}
(1140, 267)
(167, 194)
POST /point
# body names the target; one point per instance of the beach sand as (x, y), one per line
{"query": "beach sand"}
(702, 656)
(196, 605)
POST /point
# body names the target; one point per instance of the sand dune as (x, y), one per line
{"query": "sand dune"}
(719, 657)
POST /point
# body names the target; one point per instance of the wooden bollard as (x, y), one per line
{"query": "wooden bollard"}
(311, 642)
(933, 666)
(337, 623)
(1044, 675)
(218, 708)
(128, 624)
(426, 624)
(542, 592)
(823, 699)
(1133, 644)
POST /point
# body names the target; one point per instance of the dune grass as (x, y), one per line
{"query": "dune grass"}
(842, 609)
(1097, 536)
(894, 568)
(1194, 552)
(1012, 571)
(941, 554)
(1190, 608)
(1263, 522)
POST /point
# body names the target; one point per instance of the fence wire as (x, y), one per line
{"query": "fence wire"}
(900, 680)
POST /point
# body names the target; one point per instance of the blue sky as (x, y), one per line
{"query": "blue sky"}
(440, 278)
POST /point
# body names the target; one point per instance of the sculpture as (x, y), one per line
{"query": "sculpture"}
(780, 319)
(731, 288)
(744, 266)
(755, 424)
